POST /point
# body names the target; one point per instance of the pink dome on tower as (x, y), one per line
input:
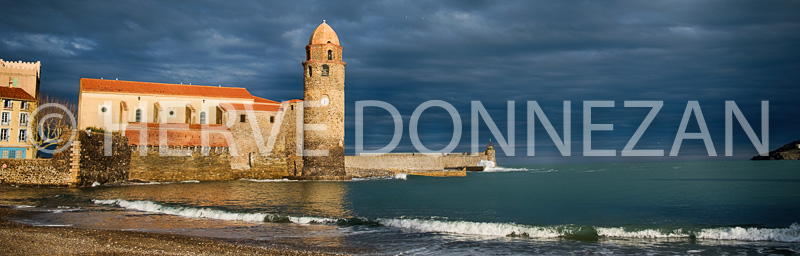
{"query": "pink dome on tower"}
(323, 34)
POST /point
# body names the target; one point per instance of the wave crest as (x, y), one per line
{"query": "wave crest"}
(790, 234)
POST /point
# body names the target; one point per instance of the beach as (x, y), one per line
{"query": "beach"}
(21, 239)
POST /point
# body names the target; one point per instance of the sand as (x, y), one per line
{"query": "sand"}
(20, 239)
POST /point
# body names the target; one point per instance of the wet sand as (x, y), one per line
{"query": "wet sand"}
(20, 239)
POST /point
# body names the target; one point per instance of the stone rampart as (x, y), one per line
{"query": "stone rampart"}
(33, 172)
(174, 163)
(170, 164)
(80, 164)
(412, 163)
(94, 165)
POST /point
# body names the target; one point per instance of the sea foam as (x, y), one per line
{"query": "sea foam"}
(790, 234)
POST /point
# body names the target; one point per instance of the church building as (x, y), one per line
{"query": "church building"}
(145, 111)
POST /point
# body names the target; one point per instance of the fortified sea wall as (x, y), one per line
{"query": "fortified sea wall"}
(81, 164)
(415, 164)
(183, 158)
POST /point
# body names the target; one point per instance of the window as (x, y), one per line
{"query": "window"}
(172, 113)
(15, 83)
(324, 70)
(8, 104)
(12, 154)
(330, 55)
(292, 107)
(3, 134)
(103, 109)
(23, 119)
(23, 135)
(272, 119)
(202, 117)
(308, 54)
(242, 118)
(138, 117)
(5, 118)
(309, 71)
(23, 105)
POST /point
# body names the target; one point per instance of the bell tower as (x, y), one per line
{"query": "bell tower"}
(323, 110)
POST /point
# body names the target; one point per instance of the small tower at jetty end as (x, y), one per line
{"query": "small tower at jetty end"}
(323, 111)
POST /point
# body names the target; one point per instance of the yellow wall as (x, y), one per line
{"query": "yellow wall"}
(14, 127)
(26, 73)
(116, 118)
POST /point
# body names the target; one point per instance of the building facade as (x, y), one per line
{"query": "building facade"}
(115, 104)
(19, 92)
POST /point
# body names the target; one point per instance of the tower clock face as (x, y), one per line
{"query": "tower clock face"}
(324, 101)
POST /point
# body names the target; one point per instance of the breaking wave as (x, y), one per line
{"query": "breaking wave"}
(504, 169)
(491, 166)
(789, 234)
(399, 176)
(271, 180)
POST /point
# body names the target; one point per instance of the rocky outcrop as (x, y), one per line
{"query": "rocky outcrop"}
(789, 151)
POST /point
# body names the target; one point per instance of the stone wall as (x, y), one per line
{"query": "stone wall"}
(80, 164)
(283, 159)
(169, 164)
(95, 166)
(390, 164)
(182, 163)
(33, 172)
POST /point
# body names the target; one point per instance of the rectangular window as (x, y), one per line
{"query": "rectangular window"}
(9, 104)
(3, 134)
(12, 154)
(272, 119)
(23, 119)
(242, 118)
(23, 105)
(23, 135)
(5, 118)
(15, 82)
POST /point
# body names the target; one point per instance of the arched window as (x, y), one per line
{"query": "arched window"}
(330, 55)
(138, 115)
(309, 71)
(308, 54)
(203, 117)
(325, 70)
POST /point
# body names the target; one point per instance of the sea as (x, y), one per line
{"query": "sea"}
(704, 208)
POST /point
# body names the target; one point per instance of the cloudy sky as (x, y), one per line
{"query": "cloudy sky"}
(409, 52)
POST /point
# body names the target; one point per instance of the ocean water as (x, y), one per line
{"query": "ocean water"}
(625, 208)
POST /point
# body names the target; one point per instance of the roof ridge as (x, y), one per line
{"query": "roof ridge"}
(198, 85)
(154, 88)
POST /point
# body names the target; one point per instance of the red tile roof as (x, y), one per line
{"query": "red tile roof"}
(295, 100)
(254, 107)
(15, 93)
(263, 100)
(117, 86)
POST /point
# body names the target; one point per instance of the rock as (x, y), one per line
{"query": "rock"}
(789, 151)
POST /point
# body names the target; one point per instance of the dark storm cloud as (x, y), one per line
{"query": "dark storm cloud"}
(408, 52)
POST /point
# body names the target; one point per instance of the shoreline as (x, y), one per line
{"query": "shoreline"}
(23, 239)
